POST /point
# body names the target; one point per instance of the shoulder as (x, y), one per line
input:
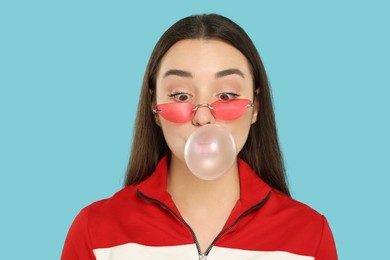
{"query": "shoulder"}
(303, 223)
(283, 200)
(102, 222)
(99, 224)
(296, 220)
(124, 199)
(286, 224)
(293, 210)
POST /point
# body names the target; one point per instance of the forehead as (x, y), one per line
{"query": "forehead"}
(202, 57)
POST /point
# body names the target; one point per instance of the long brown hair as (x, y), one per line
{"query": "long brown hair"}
(261, 150)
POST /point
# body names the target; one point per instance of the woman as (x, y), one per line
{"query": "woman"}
(199, 66)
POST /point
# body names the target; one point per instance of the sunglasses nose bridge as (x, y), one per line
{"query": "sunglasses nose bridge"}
(202, 105)
(205, 116)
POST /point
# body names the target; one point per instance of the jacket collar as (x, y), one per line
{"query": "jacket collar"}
(155, 186)
(254, 193)
(253, 189)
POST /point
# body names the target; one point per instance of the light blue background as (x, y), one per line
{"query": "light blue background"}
(70, 73)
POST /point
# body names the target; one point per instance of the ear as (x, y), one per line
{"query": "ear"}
(155, 115)
(255, 111)
(256, 106)
(157, 119)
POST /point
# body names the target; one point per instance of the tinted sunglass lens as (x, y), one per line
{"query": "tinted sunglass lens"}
(176, 112)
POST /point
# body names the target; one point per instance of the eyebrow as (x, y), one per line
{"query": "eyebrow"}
(180, 73)
(219, 74)
(228, 72)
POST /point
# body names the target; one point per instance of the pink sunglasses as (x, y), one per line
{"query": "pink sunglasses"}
(178, 112)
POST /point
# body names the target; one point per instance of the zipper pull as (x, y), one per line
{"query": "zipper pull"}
(202, 257)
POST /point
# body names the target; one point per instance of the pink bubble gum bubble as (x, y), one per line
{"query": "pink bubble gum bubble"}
(210, 151)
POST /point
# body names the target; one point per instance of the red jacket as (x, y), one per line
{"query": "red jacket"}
(142, 222)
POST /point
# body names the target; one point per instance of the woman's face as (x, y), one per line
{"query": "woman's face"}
(201, 72)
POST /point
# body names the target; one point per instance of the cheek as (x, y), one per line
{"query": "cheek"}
(240, 137)
(175, 136)
(240, 131)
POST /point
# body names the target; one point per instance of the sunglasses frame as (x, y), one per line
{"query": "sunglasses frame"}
(196, 106)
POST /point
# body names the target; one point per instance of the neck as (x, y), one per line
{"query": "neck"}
(186, 189)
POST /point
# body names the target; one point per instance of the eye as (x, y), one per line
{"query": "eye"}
(226, 96)
(181, 96)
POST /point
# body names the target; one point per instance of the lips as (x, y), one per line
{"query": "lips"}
(210, 151)
(206, 147)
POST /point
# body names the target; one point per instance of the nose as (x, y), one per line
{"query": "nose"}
(203, 115)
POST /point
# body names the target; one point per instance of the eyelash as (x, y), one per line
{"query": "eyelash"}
(176, 96)
(231, 95)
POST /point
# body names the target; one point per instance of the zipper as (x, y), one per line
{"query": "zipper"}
(178, 217)
(203, 256)
(235, 222)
